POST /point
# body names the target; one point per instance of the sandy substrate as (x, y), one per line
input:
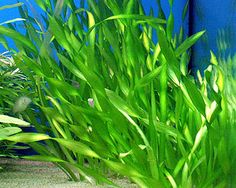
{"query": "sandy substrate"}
(31, 174)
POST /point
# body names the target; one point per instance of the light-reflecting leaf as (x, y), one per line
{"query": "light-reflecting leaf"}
(13, 120)
(195, 96)
(77, 147)
(28, 137)
(188, 43)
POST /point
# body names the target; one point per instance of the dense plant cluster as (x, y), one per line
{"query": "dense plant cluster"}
(13, 85)
(107, 96)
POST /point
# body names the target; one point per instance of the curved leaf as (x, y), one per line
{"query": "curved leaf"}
(188, 43)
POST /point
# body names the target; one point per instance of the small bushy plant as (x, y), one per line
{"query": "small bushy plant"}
(8, 128)
(13, 84)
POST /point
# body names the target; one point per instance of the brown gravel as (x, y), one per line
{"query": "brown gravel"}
(31, 174)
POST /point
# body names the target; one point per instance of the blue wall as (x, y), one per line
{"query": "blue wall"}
(218, 18)
(12, 13)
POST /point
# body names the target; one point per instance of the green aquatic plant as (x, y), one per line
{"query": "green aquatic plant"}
(12, 84)
(109, 97)
(221, 132)
(9, 126)
(225, 144)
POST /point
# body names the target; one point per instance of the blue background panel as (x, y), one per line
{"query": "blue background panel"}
(218, 18)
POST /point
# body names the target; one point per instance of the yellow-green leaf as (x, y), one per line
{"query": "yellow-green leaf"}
(13, 120)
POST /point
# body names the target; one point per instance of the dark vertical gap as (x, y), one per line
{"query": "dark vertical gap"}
(191, 16)
(191, 30)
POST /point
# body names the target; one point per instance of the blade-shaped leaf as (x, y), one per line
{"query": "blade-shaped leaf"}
(13, 120)
(188, 43)
(195, 95)
(77, 147)
(28, 137)
(24, 41)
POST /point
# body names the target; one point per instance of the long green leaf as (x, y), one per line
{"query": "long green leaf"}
(77, 147)
(195, 95)
(188, 43)
(21, 39)
(10, 6)
(28, 137)
(13, 120)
